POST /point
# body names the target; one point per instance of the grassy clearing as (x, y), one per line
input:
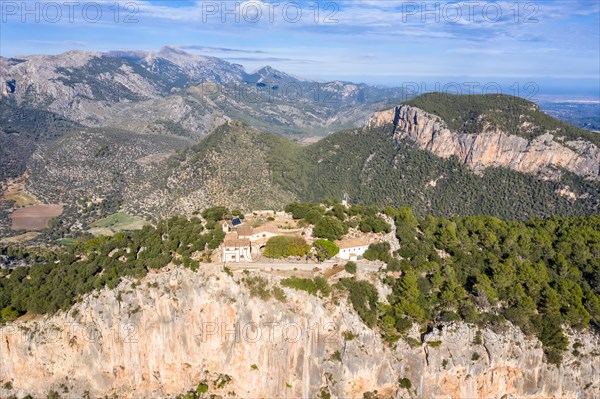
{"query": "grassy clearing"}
(117, 222)
(20, 238)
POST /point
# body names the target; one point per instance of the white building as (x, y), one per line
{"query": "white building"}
(352, 249)
(236, 249)
(238, 243)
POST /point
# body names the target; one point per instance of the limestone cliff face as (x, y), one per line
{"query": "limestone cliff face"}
(176, 328)
(492, 148)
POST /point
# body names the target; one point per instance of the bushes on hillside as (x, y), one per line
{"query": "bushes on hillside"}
(363, 296)
(317, 286)
(54, 280)
(330, 228)
(283, 246)
(325, 249)
(538, 275)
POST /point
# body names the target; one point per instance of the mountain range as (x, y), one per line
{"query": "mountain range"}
(156, 134)
(146, 157)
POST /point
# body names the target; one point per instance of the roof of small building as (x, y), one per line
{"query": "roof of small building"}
(233, 240)
(266, 229)
(245, 231)
(239, 243)
(351, 243)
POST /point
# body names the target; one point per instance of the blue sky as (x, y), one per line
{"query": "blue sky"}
(553, 43)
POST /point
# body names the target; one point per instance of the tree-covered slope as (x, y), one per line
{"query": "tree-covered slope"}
(368, 166)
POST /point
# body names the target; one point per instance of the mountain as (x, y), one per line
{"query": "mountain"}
(174, 92)
(159, 133)
(495, 131)
(381, 163)
(451, 306)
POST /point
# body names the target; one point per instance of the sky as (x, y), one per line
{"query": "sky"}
(549, 47)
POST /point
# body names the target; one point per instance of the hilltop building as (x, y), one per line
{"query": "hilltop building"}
(236, 249)
(352, 248)
(240, 240)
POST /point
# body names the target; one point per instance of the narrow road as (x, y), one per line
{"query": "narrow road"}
(289, 266)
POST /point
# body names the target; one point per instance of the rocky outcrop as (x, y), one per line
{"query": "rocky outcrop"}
(544, 155)
(175, 328)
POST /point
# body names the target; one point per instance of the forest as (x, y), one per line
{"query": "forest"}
(542, 275)
(55, 279)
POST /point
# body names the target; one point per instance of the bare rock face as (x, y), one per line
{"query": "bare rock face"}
(162, 336)
(543, 155)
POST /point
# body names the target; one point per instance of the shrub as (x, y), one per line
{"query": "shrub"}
(477, 340)
(404, 383)
(282, 246)
(350, 267)
(325, 249)
(9, 314)
(318, 285)
(336, 356)
(279, 294)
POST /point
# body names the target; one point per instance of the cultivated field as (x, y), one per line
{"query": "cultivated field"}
(35, 217)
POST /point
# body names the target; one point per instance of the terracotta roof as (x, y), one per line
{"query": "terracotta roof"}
(245, 231)
(232, 240)
(352, 243)
(266, 229)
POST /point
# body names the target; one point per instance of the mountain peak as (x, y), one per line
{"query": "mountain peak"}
(267, 69)
(172, 50)
(269, 73)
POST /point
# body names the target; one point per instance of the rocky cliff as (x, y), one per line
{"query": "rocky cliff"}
(545, 154)
(163, 335)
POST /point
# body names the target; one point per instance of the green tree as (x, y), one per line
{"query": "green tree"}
(297, 246)
(314, 215)
(379, 251)
(215, 214)
(277, 247)
(330, 228)
(350, 267)
(325, 249)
